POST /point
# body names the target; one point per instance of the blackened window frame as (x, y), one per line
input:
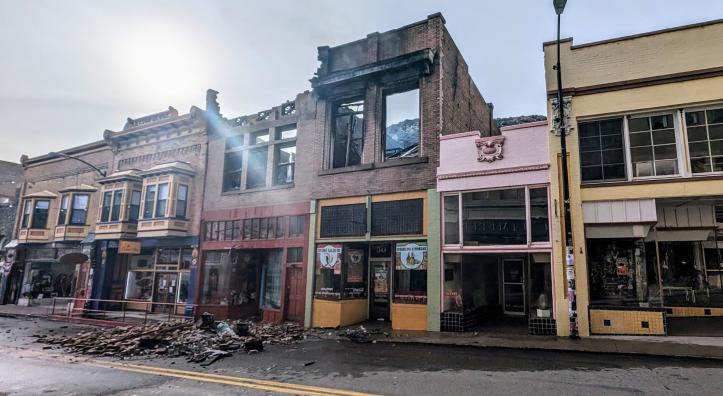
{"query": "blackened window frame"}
(336, 104)
(393, 90)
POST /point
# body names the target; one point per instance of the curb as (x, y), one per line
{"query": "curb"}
(643, 348)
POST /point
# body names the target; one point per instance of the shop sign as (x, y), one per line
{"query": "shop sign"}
(355, 266)
(411, 256)
(129, 247)
(329, 257)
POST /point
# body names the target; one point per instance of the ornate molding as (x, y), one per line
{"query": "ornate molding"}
(557, 123)
(517, 169)
(489, 149)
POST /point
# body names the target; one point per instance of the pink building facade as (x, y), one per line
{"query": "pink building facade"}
(496, 241)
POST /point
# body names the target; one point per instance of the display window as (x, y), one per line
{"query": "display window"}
(229, 278)
(139, 285)
(619, 272)
(271, 278)
(410, 273)
(341, 271)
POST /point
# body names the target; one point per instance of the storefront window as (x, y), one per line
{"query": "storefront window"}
(229, 278)
(451, 220)
(410, 273)
(684, 277)
(168, 256)
(540, 285)
(139, 285)
(271, 296)
(183, 287)
(495, 217)
(452, 283)
(539, 221)
(619, 274)
(354, 269)
(143, 260)
(186, 258)
(328, 272)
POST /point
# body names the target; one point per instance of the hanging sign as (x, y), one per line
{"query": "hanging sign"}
(129, 247)
(411, 256)
(329, 257)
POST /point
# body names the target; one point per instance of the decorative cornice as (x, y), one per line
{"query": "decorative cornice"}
(489, 149)
(488, 172)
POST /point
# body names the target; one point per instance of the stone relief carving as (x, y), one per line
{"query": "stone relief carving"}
(489, 149)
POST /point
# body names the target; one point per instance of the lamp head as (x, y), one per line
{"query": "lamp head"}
(559, 6)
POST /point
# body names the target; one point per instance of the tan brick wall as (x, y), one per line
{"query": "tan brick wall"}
(696, 48)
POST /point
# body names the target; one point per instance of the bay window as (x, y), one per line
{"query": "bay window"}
(106, 204)
(79, 209)
(161, 200)
(181, 201)
(40, 214)
(27, 210)
(116, 208)
(63, 210)
(148, 203)
(135, 206)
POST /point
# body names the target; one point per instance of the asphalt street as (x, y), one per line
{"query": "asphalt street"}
(326, 367)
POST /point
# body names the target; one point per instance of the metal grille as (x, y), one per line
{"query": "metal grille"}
(343, 221)
(397, 217)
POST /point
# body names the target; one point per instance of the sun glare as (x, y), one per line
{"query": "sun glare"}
(161, 64)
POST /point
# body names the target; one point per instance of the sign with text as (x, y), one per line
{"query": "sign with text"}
(329, 257)
(411, 256)
(129, 247)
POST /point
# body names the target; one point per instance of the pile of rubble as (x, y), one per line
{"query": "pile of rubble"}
(203, 342)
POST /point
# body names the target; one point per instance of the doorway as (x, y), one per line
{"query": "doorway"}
(165, 291)
(513, 286)
(295, 293)
(380, 279)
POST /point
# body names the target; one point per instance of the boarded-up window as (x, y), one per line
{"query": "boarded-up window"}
(397, 217)
(343, 221)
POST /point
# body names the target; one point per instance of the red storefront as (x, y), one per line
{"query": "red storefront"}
(253, 262)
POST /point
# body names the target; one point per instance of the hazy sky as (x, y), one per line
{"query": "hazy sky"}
(71, 69)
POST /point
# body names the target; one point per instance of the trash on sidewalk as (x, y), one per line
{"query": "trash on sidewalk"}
(360, 335)
(204, 342)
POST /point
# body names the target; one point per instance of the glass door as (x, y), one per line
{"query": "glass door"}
(381, 289)
(165, 291)
(513, 285)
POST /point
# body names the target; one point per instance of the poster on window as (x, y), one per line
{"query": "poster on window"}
(329, 257)
(380, 272)
(411, 256)
(355, 266)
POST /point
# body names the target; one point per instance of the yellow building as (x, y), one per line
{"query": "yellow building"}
(645, 149)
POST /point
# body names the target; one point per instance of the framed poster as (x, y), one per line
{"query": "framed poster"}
(411, 256)
(329, 257)
(355, 266)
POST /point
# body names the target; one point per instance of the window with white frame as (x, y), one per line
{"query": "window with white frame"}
(111, 206)
(705, 140)
(652, 145)
(512, 216)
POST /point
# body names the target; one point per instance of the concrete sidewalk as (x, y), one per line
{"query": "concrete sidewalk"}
(695, 347)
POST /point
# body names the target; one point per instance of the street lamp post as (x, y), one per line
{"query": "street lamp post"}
(560, 122)
(101, 172)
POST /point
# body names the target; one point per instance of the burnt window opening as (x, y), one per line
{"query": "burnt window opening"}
(232, 167)
(256, 176)
(284, 167)
(401, 124)
(347, 133)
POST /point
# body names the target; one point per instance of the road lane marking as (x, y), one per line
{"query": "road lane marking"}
(251, 383)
